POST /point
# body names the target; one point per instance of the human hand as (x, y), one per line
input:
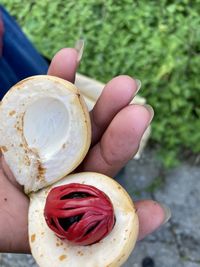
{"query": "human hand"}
(117, 129)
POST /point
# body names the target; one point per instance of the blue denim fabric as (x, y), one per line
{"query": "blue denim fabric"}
(19, 57)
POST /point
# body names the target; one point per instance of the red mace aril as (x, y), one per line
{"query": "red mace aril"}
(80, 213)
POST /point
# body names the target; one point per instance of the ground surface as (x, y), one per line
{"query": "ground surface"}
(177, 243)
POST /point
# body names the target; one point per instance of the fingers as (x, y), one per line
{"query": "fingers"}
(151, 216)
(64, 64)
(120, 141)
(117, 94)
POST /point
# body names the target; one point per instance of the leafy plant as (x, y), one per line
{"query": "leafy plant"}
(156, 41)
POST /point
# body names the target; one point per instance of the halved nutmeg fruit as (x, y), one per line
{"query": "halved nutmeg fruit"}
(45, 130)
(74, 220)
(84, 219)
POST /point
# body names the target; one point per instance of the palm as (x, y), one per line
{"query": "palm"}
(115, 140)
(13, 221)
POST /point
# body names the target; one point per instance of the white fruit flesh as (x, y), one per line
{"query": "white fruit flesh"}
(111, 251)
(45, 130)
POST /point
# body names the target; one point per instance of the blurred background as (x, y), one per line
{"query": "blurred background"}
(157, 42)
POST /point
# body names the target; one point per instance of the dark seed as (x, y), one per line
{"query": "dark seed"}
(65, 223)
(75, 195)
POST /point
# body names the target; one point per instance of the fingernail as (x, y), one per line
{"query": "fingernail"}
(138, 82)
(150, 110)
(79, 46)
(167, 212)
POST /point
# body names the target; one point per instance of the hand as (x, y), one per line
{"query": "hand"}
(117, 130)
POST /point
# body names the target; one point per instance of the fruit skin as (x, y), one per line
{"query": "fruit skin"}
(33, 167)
(82, 214)
(112, 251)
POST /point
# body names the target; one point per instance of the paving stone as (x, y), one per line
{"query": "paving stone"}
(182, 194)
(164, 235)
(163, 255)
(140, 174)
(190, 264)
(17, 260)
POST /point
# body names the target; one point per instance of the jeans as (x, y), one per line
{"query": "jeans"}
(19, 58)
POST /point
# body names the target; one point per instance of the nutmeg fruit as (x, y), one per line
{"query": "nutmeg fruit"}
(45, 130)
(112, 250)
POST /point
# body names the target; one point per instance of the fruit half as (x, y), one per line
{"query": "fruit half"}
(45, 130)
(113, 250)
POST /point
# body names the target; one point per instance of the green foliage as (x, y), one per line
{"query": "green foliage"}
(156, 41)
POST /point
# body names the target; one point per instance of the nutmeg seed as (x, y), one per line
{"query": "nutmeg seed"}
(81, 214)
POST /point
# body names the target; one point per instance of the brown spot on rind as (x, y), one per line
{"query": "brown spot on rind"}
(34, 151)
(63, 146)
(11, 113)
(33, 238)
(62, 257)
(18, 129)
(5, 199)
(41, 169)
(59, 243)
(20, 123)
(27, 160)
